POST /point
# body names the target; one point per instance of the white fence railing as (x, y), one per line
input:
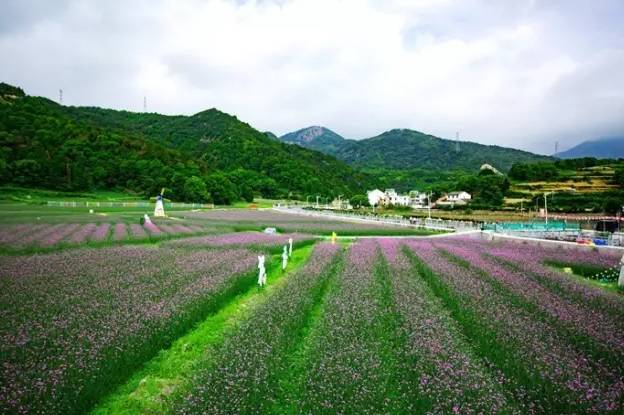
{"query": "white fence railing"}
(440, 224)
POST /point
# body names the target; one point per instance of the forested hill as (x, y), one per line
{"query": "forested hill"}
(208, 156)
(408, 149)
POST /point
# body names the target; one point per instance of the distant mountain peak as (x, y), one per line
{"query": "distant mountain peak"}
(606, 147)
(309, 134)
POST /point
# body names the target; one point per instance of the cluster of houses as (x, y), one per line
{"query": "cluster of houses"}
(415, 199)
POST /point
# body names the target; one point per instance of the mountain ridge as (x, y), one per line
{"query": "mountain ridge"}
(402, 148)
(210, 155)
(604, 147)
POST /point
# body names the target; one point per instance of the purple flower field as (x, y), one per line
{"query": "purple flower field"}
(20, 237)
(446, 325)
(240, 238)
(74, 321)
(293, 223)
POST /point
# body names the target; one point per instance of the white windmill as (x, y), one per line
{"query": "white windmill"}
(159, 210)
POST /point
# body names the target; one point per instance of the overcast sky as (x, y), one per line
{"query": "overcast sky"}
(515, 73)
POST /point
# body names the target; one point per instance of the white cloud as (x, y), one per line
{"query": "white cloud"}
(511, 73)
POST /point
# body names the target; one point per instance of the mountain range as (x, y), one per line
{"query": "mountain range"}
(608, 147)
(214, 156)
(408, 149)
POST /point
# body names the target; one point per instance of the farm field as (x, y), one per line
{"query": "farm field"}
(285, 222)
(451, 324)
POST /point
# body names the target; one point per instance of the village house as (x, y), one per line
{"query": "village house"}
(454, 198)
(390, 197)
(417, 200)
(376, 197)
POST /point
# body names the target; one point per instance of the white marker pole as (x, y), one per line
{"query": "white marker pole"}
(261, 271)
(284, 258)
(621, 278)
(289, 247)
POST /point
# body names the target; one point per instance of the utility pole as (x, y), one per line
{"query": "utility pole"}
(317, 198)
(546, 208)
(144, 104)
(429, 204)
(339, 202)
(457, 141)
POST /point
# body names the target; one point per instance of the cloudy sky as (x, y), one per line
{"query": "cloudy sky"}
(517, 73)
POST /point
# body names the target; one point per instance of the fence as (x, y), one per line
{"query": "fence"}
(441, 224)
(554, 226)
(138, 204)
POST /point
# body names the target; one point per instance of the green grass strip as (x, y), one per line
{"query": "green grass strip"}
(152, 388)
(487, 346)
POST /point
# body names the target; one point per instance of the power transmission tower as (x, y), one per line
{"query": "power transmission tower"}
(556, 147)
(61, 96)
(457, 142)
(144, 104)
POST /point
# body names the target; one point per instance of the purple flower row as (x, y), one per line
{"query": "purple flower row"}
(73, 320)
(242, 376)
(581, 382)
(353, 365)
(578, 315)
(240, 238)
(441, 358)
(20, 236)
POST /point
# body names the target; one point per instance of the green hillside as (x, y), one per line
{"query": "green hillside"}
(208, 156)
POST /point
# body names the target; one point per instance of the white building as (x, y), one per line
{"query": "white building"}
(454, 198)
(390, 197)
(459, 197)
(417, 200)
(395, 199)
(376, 197)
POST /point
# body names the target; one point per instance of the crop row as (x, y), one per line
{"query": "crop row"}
(75, 323)
(257, 239)
(451, 377)
(431, 327)
(244, 375)
(47, 235)
(532, 282)
(547, 369)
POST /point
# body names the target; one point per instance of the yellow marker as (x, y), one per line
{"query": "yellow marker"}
(333, 238)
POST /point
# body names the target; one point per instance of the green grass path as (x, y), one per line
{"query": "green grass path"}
(150, 389)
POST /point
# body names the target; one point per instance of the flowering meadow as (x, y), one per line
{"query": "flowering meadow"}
(37, 236)
(76, 322)
(257, 239)
(444, 325)
(285, 222)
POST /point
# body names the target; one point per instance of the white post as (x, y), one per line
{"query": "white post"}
(261, 271)
(546, 209)
(621, 278)
(429, 204)
(290, 246)
(284, 258)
